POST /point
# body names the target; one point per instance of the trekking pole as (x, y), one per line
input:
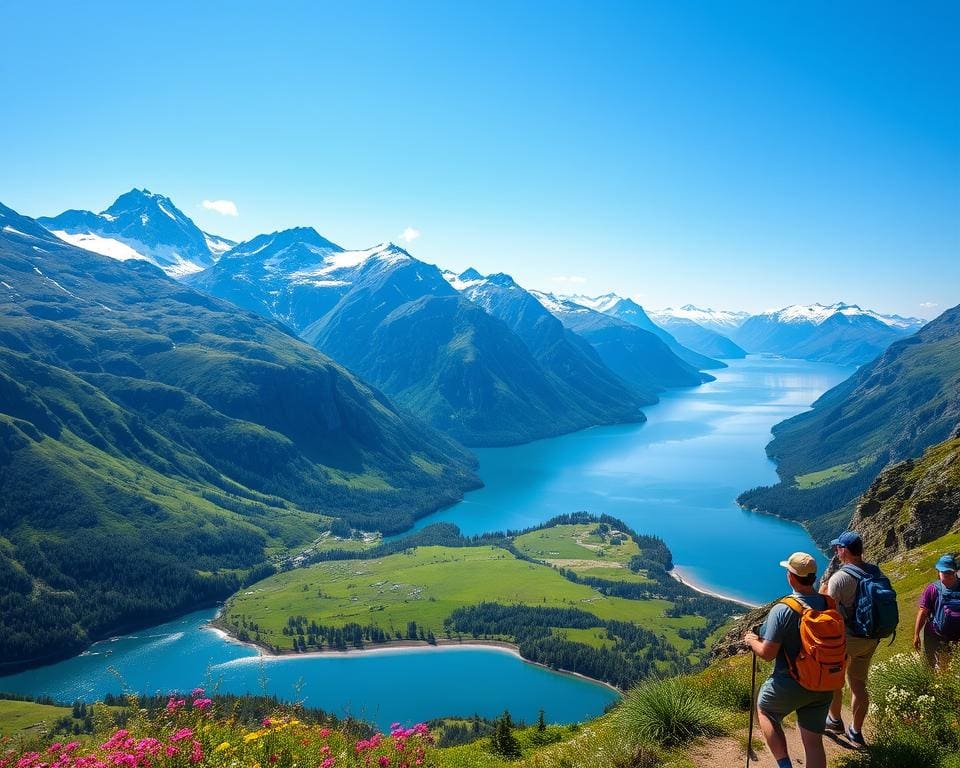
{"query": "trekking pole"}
(753, 687)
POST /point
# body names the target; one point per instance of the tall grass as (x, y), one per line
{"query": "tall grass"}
(668, 713)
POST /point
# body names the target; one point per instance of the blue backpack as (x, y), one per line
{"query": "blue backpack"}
(875, 613)
(946, 621)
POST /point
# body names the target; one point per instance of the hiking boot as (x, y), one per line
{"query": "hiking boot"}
(836, 726)
(855, 738)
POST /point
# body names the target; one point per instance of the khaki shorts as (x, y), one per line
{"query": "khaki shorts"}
(859, 654)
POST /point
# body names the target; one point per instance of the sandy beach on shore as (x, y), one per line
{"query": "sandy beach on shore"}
(684, 578)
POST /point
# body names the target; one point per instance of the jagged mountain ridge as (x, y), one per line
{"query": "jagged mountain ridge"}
(141, 225)
(631, 312)
(472, 376)
(556, 347)
(636, 355)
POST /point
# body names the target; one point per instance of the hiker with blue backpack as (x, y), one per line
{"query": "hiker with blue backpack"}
(939, 615)
(868, 605)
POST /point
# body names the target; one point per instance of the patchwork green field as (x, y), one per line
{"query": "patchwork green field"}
(425, 585)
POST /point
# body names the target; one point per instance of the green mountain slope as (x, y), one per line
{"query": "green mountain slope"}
(156, 445)
(890, 410)
(913, 502)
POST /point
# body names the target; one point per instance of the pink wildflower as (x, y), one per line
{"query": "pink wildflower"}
(324, 732)
(327, 763)
(202, 703)
(267, 722)
(171, 751)
(197, 692)
(196, 752)
(183, 733)
(384, 761)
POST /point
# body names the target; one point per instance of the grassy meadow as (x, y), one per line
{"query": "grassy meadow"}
(425, 585)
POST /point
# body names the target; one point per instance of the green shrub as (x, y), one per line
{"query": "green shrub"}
(897, 747)
(727, 685)
(915, 713)
(668, 713)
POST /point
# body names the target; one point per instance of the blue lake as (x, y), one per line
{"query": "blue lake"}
(677, 476)
(417, 684)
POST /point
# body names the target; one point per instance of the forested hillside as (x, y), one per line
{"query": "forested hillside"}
(156, 445)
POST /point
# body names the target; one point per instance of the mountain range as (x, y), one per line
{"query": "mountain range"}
(889, 410)
(840, 333)
(631, 312)
(157, 444)
(528, 365)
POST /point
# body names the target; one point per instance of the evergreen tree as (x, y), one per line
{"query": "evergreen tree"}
(503, 742)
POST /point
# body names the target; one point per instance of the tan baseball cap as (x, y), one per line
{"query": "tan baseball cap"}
(800, 564)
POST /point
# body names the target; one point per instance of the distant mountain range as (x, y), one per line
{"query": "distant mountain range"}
(156, 443)
(891, 409)
(547, 365)
(840, 333)
(631, 312)
(634, 354)
(843, 334)
(141, 225)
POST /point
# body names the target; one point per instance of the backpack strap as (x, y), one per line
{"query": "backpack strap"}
(858, 573)
(797, 607)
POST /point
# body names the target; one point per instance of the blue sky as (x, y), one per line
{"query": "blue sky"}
(734, 155)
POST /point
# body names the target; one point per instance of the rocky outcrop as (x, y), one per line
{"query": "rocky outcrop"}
(911, 503)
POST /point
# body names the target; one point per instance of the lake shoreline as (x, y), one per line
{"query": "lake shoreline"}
(677, 573)
(223, 630)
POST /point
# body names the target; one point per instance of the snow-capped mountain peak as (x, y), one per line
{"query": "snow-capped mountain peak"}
(140, 225)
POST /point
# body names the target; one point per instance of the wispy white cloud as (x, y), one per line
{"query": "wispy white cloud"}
(569, 279)
(410, 234)
(929, 304)
(223, 207)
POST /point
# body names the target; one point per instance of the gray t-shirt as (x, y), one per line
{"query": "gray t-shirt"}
(842, 587)
(783, 626)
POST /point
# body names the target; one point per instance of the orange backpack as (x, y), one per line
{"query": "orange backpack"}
(822, 661)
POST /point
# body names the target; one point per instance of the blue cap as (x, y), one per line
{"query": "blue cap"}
(845, 539)
(946, 563)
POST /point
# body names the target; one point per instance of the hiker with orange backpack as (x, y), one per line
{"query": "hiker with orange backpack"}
(868, 604)
(804, 632)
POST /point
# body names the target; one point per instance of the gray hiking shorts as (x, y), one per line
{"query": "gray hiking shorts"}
(781, 695)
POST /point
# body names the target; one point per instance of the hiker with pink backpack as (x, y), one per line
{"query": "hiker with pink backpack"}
(938, 618)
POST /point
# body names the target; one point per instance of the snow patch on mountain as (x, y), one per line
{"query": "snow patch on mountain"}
(105, 246)
(817, 314)
(716, 318)
(599, 303)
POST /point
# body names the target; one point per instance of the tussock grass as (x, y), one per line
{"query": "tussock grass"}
(669, 713)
